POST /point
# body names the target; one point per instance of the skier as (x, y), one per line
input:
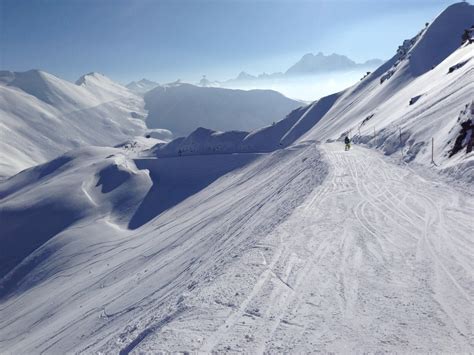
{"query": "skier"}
(348, 143)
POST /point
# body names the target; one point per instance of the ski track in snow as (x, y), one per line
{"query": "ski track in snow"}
(376, 259)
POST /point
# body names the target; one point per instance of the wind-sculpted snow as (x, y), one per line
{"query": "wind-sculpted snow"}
(42, 202)
(113, 286)
(174, 180)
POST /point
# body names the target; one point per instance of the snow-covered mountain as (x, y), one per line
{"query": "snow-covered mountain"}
(142, 86)
(98, 111)
(43, 116)
(290, 244)
(182, 108)
(311, 64)
(312, 77)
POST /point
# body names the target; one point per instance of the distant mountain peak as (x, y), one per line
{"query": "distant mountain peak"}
(142, 86)
(245, 76)
(146, 81)
(312, 64)
(91, 76)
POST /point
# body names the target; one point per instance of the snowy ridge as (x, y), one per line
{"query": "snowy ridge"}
(99, 183)
(97, 111)
(102, 87)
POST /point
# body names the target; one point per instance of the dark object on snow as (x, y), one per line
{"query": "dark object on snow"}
(457, 66)
(466, 127)
(367, 118)
(365, 75)
(148, 136)
(414, 99)
(468, 35)
(347, 141)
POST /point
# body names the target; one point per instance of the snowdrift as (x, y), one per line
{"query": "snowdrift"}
(41, 202)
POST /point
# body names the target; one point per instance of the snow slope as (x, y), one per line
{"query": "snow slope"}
(405, 95)
(43, 116)
(182, 108)
(95, 187)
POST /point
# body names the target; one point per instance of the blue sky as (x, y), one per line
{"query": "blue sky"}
(168, 39)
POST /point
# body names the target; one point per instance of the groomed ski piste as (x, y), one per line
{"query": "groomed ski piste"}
(272, 241)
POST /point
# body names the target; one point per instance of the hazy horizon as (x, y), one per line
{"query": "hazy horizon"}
(163, 40)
